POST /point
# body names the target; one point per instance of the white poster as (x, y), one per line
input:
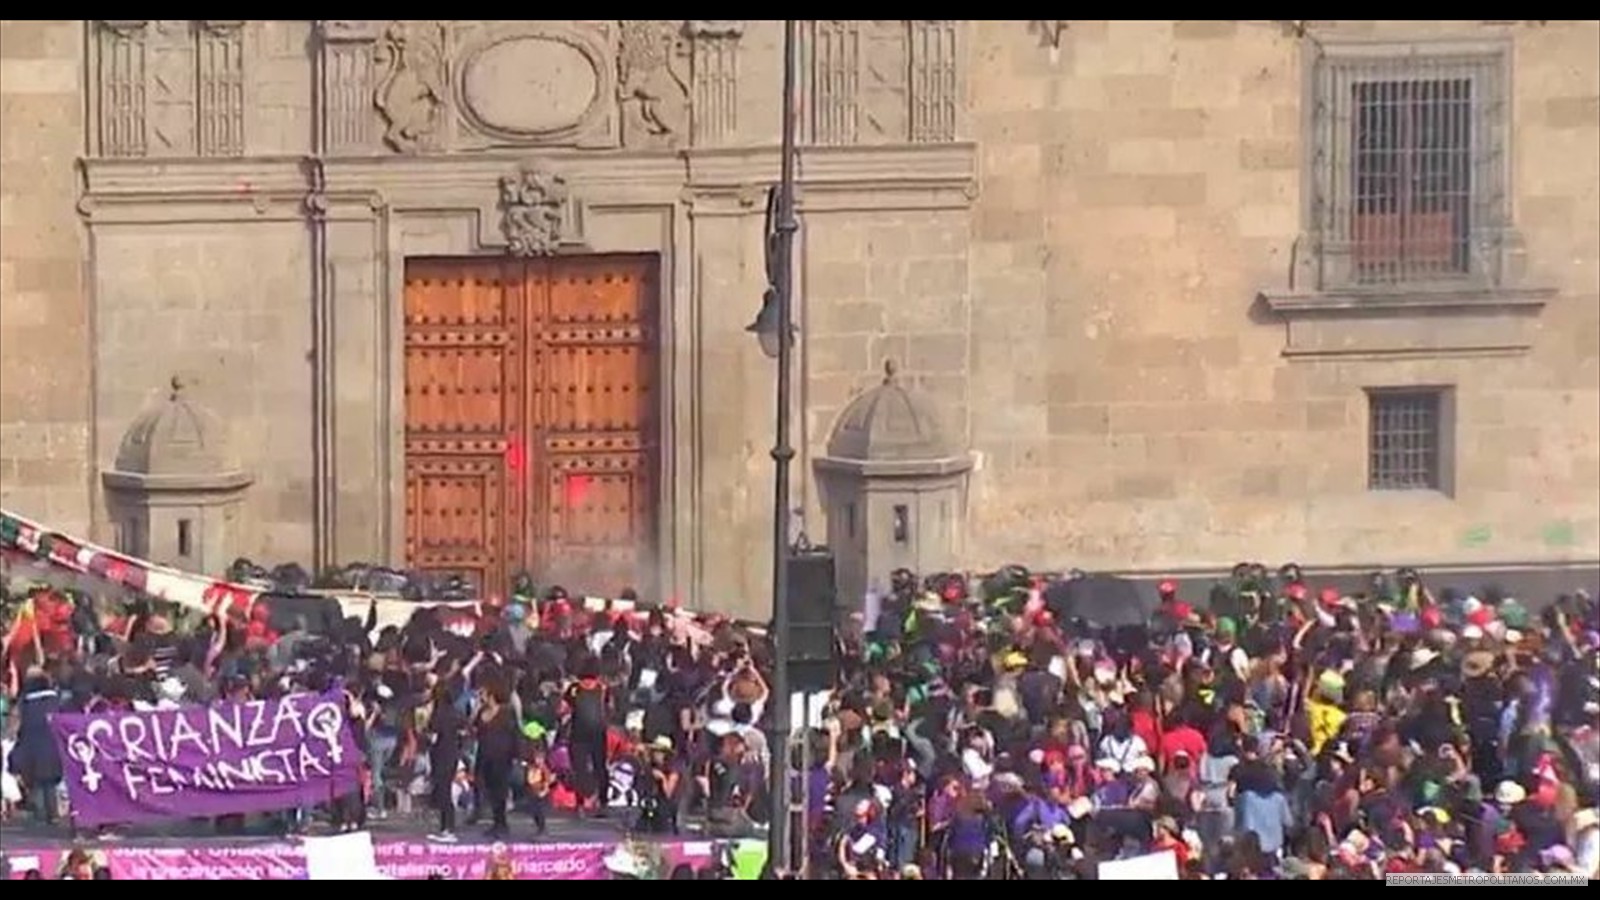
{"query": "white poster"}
(342, 857)
(1161, 866)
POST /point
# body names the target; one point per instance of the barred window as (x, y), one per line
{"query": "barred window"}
(1410, 169)
(1407, 439)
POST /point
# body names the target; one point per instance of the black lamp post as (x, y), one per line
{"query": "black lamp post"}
(774, 326)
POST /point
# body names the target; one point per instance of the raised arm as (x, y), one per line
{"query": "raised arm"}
(219, 642)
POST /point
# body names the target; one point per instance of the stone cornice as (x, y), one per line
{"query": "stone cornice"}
(106, 179)
(952, 164)
(192, 483)
(1359, 303)
(1407, 324)
(838, 179)
(905, 176)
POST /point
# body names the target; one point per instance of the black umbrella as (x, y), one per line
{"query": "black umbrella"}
(1105, 601)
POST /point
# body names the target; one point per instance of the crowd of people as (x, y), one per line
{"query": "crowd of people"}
(1274, 729)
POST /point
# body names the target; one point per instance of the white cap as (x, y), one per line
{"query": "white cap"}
(1472, 633)
(1509, 793)
(976, 767)
(1142, 764)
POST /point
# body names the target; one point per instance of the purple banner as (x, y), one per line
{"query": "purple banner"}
(206, 761)
(404, 859)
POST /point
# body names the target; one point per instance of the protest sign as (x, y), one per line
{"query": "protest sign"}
(205, 761)
(1161, 866)
(342, 857)
(400, 859)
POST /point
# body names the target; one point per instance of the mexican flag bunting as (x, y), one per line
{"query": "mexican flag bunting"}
(27, 538)
(184, 588)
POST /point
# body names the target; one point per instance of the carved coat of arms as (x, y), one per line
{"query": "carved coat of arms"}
(652, 82)
(533, 205)
(411, 94)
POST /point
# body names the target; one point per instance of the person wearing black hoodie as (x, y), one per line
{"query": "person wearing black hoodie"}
(589, 700)
(497, 733)
(445, 726)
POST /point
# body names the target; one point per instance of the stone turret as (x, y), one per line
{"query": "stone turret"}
(893, 486)
(175, 489)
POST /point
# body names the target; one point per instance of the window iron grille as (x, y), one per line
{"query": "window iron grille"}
(1411, 168)
(1410, 183)
(1405, 440)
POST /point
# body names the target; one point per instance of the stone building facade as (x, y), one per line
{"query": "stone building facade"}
(1190, 291)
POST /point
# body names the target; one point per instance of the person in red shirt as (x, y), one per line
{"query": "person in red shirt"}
(1181, 737)
(1145, 724)
(1169, 837)
(1055, 743)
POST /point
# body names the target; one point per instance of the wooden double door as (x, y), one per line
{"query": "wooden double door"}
(531, 420)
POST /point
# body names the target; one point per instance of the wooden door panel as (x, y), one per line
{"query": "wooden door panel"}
(599, 291)
(597, 501)
(454, 513)
(598, 387)
(464, 372)
(531, 419)
(600, 522)
(459, 384)
(595, 370)
(454, 293)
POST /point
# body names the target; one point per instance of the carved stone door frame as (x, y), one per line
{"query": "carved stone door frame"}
(455, 207)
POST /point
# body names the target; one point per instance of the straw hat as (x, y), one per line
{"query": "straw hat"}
(1422, 656)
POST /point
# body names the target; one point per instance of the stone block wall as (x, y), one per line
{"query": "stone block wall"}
(1085, 310)
(45, 335)
(1141, 184)
(880, 287)
(224, 309)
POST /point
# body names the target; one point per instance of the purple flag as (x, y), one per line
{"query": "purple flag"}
(205, 761)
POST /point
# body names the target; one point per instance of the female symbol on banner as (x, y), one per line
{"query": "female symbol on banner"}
(324, 723)
(83, 752)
